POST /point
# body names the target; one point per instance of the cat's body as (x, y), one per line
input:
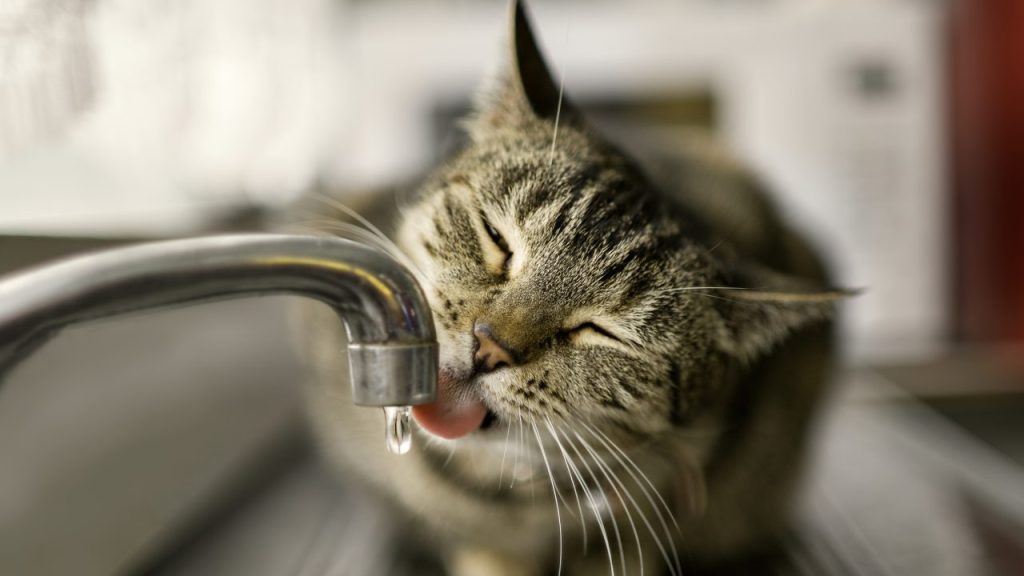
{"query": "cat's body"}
(584, 306)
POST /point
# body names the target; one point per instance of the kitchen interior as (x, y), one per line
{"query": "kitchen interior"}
(173, 442)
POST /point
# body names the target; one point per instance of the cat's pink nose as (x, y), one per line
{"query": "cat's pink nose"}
(490, 354)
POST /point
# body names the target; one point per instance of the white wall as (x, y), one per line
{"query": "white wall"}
(193, 105)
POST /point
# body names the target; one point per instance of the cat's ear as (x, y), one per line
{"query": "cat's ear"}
(762, 307)
(529, 74)
(526, 87)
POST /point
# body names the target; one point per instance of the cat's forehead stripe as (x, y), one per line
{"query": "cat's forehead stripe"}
(542, 193)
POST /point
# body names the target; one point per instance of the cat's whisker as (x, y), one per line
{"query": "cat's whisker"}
(533, 485)
(309, 216)
(671, 560)
(573, 473)
(554, 490)
(451, 454)
(392, 248)
(354, 232)
(348, 211)
(688, 288)
(558, 109)
(349, 231)
(755, 295)
(703, 291)
(593, 504)
(561, 497)
(615, 447)
(607, 473)
(504, 453)
(474, 462)
(519, 449)
(723, 298)
(629, 465)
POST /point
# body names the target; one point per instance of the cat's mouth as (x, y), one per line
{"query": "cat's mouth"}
(489, 419)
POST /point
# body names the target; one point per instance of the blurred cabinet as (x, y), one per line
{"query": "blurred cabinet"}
(988, 153)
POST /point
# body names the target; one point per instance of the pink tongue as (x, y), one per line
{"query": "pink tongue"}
(450, 417)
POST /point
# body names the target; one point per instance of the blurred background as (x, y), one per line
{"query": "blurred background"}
(892, 132)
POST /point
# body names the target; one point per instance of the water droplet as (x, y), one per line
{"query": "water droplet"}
(398, 431)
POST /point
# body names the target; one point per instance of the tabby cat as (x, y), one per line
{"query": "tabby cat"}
(630, 358)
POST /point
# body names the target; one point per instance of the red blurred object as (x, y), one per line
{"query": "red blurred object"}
(988, 164)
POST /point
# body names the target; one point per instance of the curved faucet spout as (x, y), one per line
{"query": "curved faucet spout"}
(392, 346)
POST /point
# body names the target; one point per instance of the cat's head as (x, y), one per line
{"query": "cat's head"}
(564, 287)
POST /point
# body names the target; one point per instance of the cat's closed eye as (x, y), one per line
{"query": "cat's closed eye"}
(592, 333)
(497, 254)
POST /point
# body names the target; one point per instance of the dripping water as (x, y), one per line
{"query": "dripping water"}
(397, 430)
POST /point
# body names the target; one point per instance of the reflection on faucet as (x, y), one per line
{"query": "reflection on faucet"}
(392, 346)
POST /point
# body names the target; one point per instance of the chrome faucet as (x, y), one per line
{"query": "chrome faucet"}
(392, 345)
